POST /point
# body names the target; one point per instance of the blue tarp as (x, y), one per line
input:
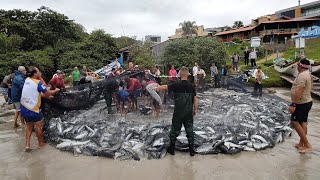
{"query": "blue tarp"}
(311, 32)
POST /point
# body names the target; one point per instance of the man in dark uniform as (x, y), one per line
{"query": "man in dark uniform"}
(186, 102)
(109, 91)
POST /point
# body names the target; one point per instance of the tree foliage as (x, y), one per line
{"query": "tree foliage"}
(185, 52)
(50, 40)
(237, 24)
(142, 55)
(124, 41)
(188, 28)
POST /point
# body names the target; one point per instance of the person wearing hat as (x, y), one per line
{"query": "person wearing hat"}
(56, 74)
(301, 104)
(57, 81)
(75, 76)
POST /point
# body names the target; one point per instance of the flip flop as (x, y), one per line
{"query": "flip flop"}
(16, 125)
(28, 149)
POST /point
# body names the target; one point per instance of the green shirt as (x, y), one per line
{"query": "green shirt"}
(76, 76)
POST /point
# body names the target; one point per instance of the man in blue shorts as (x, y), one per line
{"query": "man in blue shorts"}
(31, 95)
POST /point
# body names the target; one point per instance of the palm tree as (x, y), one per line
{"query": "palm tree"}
(189, 28)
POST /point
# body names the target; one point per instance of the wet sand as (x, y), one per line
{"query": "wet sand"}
(281, 162)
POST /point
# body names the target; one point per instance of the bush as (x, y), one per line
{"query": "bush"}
(187, 51)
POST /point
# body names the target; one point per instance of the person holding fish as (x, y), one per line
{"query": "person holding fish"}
(186, 102)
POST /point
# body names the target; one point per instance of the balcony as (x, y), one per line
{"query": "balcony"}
(279, 31)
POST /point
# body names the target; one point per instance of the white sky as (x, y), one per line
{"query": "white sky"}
(155, 17)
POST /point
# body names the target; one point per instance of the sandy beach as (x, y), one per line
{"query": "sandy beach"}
(281, 162)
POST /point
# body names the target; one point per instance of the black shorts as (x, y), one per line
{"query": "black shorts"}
(156, 103)
(301, 113)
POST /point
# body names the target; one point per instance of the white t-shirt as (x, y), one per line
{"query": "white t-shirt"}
(195, 70)
(31, 94)
(253, 55)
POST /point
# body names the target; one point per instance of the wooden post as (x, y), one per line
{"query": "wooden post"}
(266, 55)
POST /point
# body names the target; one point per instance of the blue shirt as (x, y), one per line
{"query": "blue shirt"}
(16, 86)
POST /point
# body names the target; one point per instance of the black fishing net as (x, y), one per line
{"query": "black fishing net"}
(82, 96)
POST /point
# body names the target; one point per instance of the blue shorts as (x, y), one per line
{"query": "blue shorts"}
(135, 94)
(30, 116)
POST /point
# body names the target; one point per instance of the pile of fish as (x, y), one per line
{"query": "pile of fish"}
(227, 122)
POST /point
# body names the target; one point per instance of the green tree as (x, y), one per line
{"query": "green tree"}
(50, 41)
(95, 51)
(185, 52)
(142, 55)
(10, 43)
(237, 24)
(124, 41)
(188, 28)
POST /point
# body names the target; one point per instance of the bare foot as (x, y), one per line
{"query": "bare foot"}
(27, 149)
(298, 146)
(305, 150)
(41, 146)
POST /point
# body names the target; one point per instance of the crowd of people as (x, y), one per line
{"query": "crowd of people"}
(25, 88)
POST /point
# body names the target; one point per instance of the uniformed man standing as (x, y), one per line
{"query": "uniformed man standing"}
(185, 101)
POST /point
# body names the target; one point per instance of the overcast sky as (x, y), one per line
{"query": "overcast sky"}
(158, 17)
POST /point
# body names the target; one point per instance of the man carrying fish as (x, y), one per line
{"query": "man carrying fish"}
(32, 91)
(186, 102)
(301, 104)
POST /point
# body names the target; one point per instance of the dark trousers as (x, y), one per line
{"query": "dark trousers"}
(215, 80)
(253, 63)
(246, 61)
(75, 83)
(179, 119)
(257, 89)
(158, 80)
(108, 98)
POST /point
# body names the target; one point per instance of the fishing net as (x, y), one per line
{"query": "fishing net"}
(82, 96)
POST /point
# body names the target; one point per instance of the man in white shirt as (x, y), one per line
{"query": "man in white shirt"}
(117, 65)
(253, 57)
(195, 72)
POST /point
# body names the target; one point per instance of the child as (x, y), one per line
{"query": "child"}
(124, 101)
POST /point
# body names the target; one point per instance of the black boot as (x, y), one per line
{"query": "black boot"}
(110, 110)
(171, 148)
(191, 150)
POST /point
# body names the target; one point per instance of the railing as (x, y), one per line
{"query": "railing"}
(279, 31)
